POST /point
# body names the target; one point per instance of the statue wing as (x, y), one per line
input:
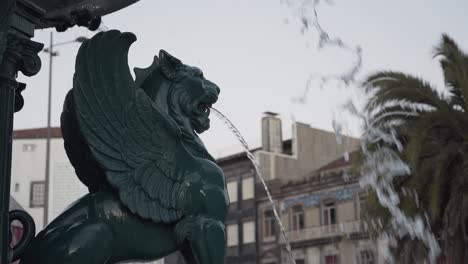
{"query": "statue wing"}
(133, 140)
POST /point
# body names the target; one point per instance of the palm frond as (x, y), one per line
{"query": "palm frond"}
(430, 132)
(398, 87)
(454, 65)
(433, 129)
(393, 115)
(441, 178)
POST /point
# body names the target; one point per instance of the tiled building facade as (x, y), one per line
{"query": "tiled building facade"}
(316, 196)
(283, 162)
(289, 167)
(322, 217)
(280, 160)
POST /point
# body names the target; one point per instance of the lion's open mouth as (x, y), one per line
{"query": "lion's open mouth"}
(200, 121)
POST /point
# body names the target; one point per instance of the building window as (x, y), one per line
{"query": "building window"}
(29, 147)
(37, 196)
(297, 217)
(248, 187)
(232, 235)
(17, 187)
(331, 259)
(362, 206)
(367, 257)
(300, 261)
(232, 191)
(329, 213)
(269, 223)
(248, 232)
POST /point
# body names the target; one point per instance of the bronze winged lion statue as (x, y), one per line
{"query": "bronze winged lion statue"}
(154, 188)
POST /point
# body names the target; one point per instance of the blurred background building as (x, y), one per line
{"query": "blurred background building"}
(321, 214)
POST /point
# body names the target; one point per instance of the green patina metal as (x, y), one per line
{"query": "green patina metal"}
(154, 189)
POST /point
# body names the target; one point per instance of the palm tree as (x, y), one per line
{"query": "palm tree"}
(433, 128)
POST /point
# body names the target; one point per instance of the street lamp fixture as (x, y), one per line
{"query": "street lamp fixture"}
(79, 39)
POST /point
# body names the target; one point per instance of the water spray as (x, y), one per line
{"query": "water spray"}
(382, 166)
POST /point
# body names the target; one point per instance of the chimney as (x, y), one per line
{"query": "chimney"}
(272, 138)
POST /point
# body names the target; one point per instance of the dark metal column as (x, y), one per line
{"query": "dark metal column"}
(7, 99)
(6, 111)
(18, 54)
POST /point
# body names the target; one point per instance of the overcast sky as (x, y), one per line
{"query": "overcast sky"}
(254, 50)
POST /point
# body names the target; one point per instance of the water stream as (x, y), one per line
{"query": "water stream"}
(251, 157)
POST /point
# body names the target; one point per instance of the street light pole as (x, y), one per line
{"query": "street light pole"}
(49, 104)
(52, 54)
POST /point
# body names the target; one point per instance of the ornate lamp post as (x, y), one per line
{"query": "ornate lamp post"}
(18, 20)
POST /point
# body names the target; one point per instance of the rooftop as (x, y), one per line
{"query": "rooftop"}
(268, 113)
(14, 205)
(287, 149)
(339, 163)
(55, 132)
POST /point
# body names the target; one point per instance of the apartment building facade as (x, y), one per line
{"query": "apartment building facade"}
(241, 222)
(316, 196)
(280, 160)
(321, 215)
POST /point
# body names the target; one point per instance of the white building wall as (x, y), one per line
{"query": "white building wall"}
(348, 252)
(27, 166)
(65, 187)
(313, 255)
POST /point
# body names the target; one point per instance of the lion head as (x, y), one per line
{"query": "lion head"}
(180, 90)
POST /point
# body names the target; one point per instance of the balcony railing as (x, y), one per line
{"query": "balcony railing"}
(340, 229)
